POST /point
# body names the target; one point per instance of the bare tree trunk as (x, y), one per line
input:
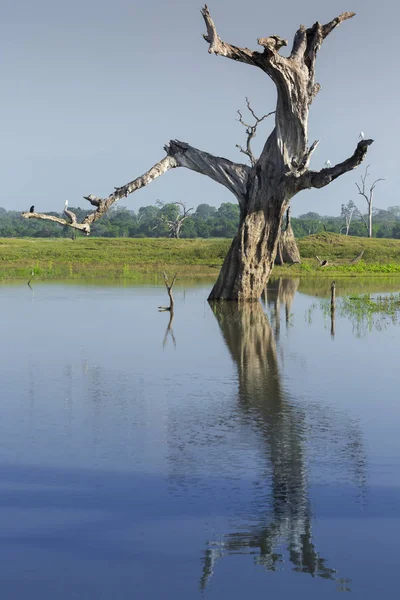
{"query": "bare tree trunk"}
(288, 251)
(369, 197)
(370, 220)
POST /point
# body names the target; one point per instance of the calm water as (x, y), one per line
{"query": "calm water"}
(229, 456)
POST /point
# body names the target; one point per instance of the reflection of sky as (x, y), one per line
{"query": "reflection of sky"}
(355, 377)
(85, 361)
(129, 456)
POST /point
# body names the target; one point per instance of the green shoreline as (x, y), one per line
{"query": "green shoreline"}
(134, 259)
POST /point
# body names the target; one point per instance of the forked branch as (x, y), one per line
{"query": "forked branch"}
(251, 131)
(266, 60)
(169, 290)
(306, 44)
(217, 46)
(175, 225)
(368, 195)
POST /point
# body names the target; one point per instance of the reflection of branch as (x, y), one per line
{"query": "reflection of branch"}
(169, 330)
(280, 291)
(30, 279)
(211, 556)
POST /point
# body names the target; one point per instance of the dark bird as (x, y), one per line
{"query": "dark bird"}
(32, 209)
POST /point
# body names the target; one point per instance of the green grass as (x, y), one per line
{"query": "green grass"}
(94, 258)
(381, 256)
(109, 257)
(365, 311)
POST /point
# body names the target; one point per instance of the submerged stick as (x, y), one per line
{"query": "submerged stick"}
(32, 274)
(169, 290)
(333, 308)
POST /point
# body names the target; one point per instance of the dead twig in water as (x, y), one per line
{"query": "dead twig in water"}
(169, 290)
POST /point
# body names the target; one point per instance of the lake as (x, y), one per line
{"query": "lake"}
(230, 453)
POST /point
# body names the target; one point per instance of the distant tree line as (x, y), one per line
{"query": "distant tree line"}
(206, 221)
(385, 223)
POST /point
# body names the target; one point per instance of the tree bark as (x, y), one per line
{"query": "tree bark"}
(265, 189)
(370, 221)
(288, 251)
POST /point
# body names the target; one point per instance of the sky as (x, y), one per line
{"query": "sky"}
(93, 89)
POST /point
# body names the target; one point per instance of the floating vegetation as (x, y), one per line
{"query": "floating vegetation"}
(366, 312)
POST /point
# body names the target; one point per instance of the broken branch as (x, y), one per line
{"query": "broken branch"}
(217, 46)
(319, 179)
(169, 290)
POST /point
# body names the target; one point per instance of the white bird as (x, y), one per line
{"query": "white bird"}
(327, 164)
(66, 205)
(361, 135)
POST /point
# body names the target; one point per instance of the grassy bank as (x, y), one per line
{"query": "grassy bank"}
(381, 256)
(98, 258)
(88, 258)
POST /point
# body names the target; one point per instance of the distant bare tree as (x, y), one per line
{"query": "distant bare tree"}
(175, 225)
(368, 195)
(347, 214)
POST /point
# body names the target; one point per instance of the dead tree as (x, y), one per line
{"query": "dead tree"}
(347, 213)
(175, 225)
(265, 189)
(369, 197)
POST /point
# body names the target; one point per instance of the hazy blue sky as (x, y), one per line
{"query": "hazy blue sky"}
(93, 89)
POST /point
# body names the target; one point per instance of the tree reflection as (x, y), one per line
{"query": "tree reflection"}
(286, 524)
(169, 331)
(277, 293)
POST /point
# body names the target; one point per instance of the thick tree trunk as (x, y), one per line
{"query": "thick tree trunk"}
(288, 251)
(250, 259)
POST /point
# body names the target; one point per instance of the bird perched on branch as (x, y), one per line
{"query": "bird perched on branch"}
(66, 205)
(327, 164)
(32, 209)
(361, 136)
